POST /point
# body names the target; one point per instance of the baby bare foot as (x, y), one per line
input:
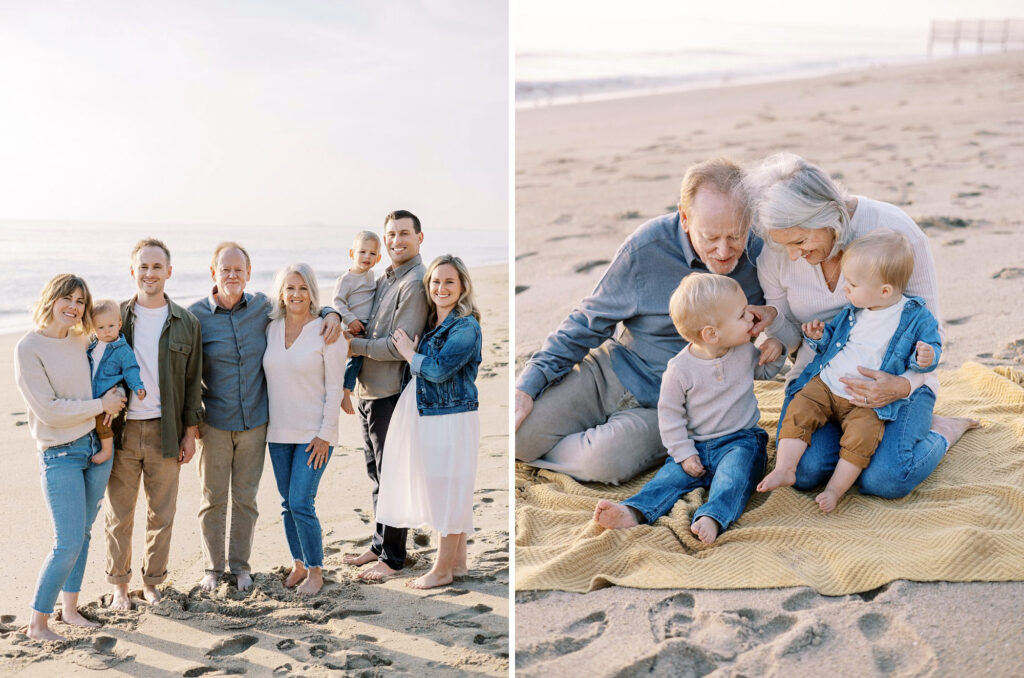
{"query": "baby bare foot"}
(209, 582)
(314, 582)
(952, 428)
(706, 529)
(75, 618)
(827, 501)
(361, 559)
(612, 516)
(378, 572)
(244, 581)
(430, 580)
(779, 477)
(297, 574)
(151, 594)
(120, 599)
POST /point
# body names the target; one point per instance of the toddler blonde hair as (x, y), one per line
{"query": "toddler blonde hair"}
(362, 236)
(886, 254)
(105, 306)
(695, 302)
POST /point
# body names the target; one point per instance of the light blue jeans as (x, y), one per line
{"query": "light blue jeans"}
(73, 488)
(908, 453)
(297, 484)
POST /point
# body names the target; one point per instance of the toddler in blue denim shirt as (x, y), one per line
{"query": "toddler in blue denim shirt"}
(707, 412)
(112, 362)
(879, 329)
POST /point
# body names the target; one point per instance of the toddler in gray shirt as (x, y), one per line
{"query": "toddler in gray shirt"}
(353, 299)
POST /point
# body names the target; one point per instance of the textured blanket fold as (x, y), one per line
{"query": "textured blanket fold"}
(965, 522)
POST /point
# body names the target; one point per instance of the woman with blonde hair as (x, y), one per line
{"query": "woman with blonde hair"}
(53, 375)
(434, 437)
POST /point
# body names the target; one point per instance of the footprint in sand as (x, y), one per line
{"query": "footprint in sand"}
(574, 637)
(1008, 273)
(671, 617)
(804, 600)
(895, 648)
(590, 265)
(464, 618)
(675, 658)
(231, 646)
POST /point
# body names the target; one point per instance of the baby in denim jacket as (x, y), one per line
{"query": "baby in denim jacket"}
(879, 329)
(112, 362)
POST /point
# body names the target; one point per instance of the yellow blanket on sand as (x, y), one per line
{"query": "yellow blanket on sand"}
(965, 522)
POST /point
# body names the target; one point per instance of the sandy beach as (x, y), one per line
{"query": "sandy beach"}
(943, 140)
(364, 630)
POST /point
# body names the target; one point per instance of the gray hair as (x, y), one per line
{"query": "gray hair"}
(788, 191)
(308, 277)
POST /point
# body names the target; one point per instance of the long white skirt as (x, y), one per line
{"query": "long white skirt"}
(428, 468)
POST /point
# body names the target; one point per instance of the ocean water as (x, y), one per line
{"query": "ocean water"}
(32, 253)
(569, 69)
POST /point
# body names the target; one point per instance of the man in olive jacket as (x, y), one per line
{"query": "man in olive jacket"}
(157, 434)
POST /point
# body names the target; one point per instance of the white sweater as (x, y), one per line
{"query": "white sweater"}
(798, 290)
(304, 384)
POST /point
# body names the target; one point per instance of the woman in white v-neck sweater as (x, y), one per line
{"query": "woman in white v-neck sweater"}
(305, 380)
(806, 221)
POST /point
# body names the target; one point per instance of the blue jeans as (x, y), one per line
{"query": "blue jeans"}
(73, 489)
(908, 453)
(297, 484)
(734, 463)
(352, 367)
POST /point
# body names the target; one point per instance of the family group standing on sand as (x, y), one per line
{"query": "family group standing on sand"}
(845, 282)
(234, 373)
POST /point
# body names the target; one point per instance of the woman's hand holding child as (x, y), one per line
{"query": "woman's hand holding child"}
(404, 345)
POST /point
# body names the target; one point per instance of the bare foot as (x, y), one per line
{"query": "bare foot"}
(706, 529)
(346, 403)
(244, 581)
(612, 516)
(209, 582)
(827, 500)
(74, 617)
(151, 595)
(314, 582)
(378, 572)
(297, 574)
(120, 599)
(460, 571)
(361, 559)
(429, 580)
(43, 633)
(779, 477)
(952, 428)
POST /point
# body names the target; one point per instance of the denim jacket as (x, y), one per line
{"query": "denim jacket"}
(117, 364)
(916, 324)
(446, 363)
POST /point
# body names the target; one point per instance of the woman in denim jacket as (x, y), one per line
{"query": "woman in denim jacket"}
(434, 435)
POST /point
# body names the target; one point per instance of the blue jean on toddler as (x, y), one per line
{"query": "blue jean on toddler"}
(297, 484)
(352, 367)
(73, 489)
(734, 463)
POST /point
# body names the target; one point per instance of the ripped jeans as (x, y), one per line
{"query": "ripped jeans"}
(73, 488)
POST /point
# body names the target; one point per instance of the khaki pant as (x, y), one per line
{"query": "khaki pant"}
(229, 462)
(140, 457)
(589, 426)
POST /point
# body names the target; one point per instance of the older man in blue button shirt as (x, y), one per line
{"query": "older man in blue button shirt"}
(233, 438)
(586, 402)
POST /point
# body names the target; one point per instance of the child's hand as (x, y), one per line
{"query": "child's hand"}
(101, 456)
(813, 329)
(925, 354)
(693, 467)
(141, 393)
(356, 327)
(771, 349)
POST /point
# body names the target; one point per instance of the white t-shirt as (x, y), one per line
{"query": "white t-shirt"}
(870, 337)
(149, 323)
(97, 355)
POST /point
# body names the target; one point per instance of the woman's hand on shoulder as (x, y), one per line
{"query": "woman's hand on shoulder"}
(403, 344)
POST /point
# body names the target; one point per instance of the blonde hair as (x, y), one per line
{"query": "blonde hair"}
(104, 306)
(59, 287)
(466, 305)
(153, 242)
(228, 245)
(694, 304)
(365, 235)
(788, 191)
(886, 254)
(308, 277)
(722, 174)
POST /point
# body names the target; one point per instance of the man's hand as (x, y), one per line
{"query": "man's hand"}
(524, 405)
(771, 350)
(331, 329)
(187, 446)
(693, 467)
(877, 390)
(925, 354)
(764, 316)
(814, 329)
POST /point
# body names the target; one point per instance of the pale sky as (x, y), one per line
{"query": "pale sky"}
(255, 111)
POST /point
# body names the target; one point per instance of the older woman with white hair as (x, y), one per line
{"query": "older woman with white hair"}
(806, 221)
(304, 385)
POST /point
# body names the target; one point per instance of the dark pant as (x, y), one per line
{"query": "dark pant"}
(375, 417)
(352, 367)
(734, 464)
